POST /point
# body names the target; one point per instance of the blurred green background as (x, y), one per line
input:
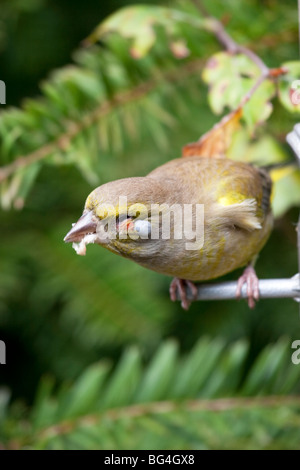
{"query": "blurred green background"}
(60, 313)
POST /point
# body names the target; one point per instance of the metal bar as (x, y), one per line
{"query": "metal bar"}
(268, 289)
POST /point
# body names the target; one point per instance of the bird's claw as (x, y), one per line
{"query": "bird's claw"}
(179, 287)
(250, 278)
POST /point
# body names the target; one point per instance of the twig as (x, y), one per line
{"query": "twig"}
(235, 48)
(217, 28)
(252, 90)
(201, 8)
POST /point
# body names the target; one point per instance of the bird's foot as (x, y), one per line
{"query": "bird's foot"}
(250, 278)
(180, 286)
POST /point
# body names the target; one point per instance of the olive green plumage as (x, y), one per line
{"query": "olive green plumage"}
(237, 215)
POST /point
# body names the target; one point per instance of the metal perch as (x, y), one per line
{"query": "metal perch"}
(268, 289)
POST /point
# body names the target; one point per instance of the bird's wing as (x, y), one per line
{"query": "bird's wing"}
(244, 202)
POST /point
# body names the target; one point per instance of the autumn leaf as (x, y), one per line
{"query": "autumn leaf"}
(215, 142)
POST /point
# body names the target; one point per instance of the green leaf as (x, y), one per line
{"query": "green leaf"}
(224, 64)
(258, 109)
(266, 368)
(286, 190)
(159, 374)
(228, 374)
(123, 383)
(14, 193)
(267, 151)
(45, 407)
(84, 394)
(263, 151)
(230, 77)
(195, 369)
(137, 23)
(289, 87)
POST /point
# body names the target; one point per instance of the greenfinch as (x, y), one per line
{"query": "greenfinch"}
(235, 221)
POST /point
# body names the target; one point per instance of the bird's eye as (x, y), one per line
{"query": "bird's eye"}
(143, 228)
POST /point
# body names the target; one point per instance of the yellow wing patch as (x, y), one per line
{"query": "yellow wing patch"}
(241, 214)
(232, 197)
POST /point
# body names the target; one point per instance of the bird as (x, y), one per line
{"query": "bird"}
(236, 221)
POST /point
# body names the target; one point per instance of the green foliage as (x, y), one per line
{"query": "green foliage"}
(103, 103)
(130, 84)
(230, 77)
(125, 105)
(172, 402)
(266, 150)
(138, 24)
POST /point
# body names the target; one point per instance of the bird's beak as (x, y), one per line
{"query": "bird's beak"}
(85, 225)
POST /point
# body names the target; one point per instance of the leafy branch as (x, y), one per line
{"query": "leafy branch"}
(168, 407)
(74, 128)
(123, 86)
(100, 406)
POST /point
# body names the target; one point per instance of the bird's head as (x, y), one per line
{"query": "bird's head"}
(117, 215)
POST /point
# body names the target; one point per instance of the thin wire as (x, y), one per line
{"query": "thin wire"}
(268, 289)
